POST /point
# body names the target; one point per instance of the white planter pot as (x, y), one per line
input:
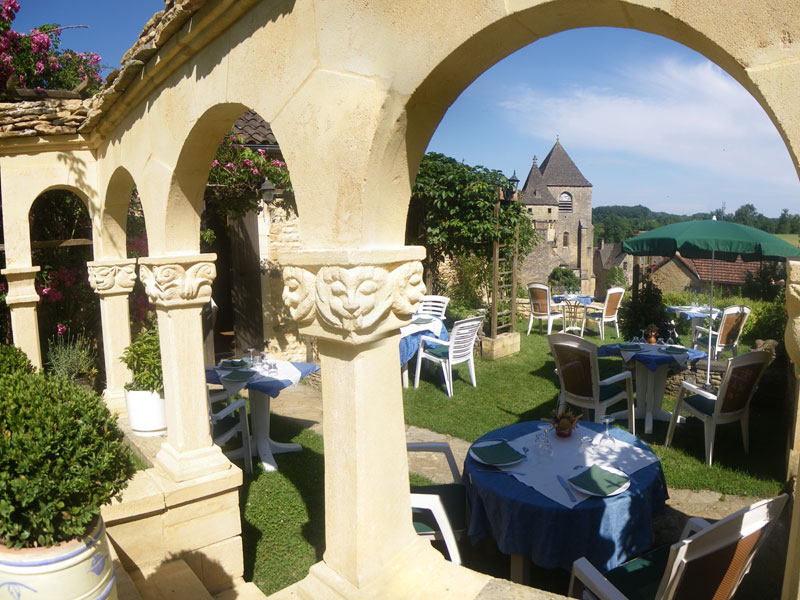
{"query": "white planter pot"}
(147, 413)
(78, 569)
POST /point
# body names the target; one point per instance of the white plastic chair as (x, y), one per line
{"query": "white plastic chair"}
(449, 353)
(434, 305)
(727, 336)
(579, 376)
(439, 511)
(542, 307)
(732, 403)
(709, 561)
(228, 418)
(608, 314)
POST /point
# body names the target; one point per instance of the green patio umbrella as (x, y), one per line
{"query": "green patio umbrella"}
(710, 239)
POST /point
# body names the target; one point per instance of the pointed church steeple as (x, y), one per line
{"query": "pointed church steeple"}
(534, 190)
(558, 169)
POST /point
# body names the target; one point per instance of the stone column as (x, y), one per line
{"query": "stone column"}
(22, 300)
(353, 302)
(113, 281)
(791, 578)
(179, 286)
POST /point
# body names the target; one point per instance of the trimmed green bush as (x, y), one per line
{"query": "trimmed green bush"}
(562, 279)
(143, 358)
(61, 459)
(13, 360)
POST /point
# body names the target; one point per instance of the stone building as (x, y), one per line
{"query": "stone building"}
(607, 256)
(558, 199)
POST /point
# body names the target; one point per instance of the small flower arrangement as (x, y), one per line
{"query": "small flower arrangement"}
(565, 422)
(651, 332)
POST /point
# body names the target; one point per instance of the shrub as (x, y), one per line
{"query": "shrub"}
(563, 279)
(648, 309)
(72, 357)
(616, 278)
(14, 360)
(61, 459)
(143, 358)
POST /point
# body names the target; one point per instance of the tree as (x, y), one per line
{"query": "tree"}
(562, 277)
(451, 213)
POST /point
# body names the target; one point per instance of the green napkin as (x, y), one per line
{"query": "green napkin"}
(674, 350)
(597, 480)
(497, 454)
(422, 320)
(630, 347)
(238, 375)
(233, 363)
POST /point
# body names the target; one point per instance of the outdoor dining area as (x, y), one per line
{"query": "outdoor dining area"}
(578, 491)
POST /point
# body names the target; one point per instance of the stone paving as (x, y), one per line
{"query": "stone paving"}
(304, 404)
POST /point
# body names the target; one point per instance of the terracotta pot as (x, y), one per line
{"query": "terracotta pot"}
(565, 432)
(652, 339)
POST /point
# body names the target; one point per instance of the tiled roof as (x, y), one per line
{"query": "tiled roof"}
(611, 255)
(725, 273)
(254, 130)
(558, 169)
(534, 191)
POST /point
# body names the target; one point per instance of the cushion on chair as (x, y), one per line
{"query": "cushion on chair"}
(639, 578)
(438, 351)
(701, 403)
(454, 500)
(703, 339)
(609, 391)
(591, 314)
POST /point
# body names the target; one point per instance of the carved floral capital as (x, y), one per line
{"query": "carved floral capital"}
(179, 282)
(353, 299)
(112, 278)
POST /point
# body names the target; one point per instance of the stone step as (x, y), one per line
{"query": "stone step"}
(244, 591)
(173, 580)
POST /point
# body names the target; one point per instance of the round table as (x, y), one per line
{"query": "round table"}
(523, 522)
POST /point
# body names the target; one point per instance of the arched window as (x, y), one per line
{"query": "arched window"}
(565, 203)
(565, 241)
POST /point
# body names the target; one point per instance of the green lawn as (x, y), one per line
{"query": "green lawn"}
(524, 387)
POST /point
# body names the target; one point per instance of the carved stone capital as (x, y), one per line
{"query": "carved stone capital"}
(354, 303)
(178, 280)
(792, 335)
(21, 288)
(112, 277)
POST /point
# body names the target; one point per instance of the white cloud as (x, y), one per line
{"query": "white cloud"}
(688, 114)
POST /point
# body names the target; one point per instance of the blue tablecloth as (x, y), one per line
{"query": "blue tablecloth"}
(607, 531)
(410, 343)
(585, 300)
(651, 361)
(689, 312)
(271, 387)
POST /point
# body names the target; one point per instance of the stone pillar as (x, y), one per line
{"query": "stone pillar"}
(22, 300)
(179, 286)
(791, 578)
(113, 281)
(354, 309)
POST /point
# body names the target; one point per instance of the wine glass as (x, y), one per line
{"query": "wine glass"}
(635, 339)
(586, 441)
(670, 341)
(250, 352)
(607, 439)
(660, 341)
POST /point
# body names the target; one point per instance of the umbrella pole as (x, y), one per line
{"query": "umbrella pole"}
(710, 322)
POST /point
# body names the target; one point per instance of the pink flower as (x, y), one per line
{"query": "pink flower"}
(40, 42)
(255, 171)
(229, 165)
(261, 151)
(247, 162)
(61, 329)
(39, 67)
(214, 163)
(9, 9)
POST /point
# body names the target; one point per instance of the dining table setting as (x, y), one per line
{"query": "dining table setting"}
(652, 363)
(549, 500)
(263, 378)
(572, 306)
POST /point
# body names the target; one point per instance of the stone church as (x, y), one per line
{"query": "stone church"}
(558, 200)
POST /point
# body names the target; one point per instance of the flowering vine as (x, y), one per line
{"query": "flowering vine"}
(35, 60)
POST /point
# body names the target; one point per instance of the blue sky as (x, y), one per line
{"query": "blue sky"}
(646, 120)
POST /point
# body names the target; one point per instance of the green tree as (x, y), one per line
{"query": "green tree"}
(452, 214)
(562, 277)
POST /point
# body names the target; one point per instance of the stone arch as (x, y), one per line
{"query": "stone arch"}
(112, 221)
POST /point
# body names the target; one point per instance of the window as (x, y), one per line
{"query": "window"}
(565, 202)
(565, 241)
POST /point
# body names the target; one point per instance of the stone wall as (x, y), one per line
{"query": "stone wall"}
(42, 117)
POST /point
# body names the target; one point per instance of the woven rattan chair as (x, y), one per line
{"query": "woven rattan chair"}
(709, 561)
(542, 307)
(731, 403)
(579, 375)
(608, 314)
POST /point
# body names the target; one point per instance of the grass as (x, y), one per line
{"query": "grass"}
(524, 387)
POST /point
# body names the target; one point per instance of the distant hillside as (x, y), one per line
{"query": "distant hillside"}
(617, 223)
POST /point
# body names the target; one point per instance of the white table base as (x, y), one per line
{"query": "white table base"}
(650, 386)
(261, 443)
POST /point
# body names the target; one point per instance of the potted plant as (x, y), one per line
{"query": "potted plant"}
(73, 358)
(565, 422)
(144, 393)
(61, 458)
